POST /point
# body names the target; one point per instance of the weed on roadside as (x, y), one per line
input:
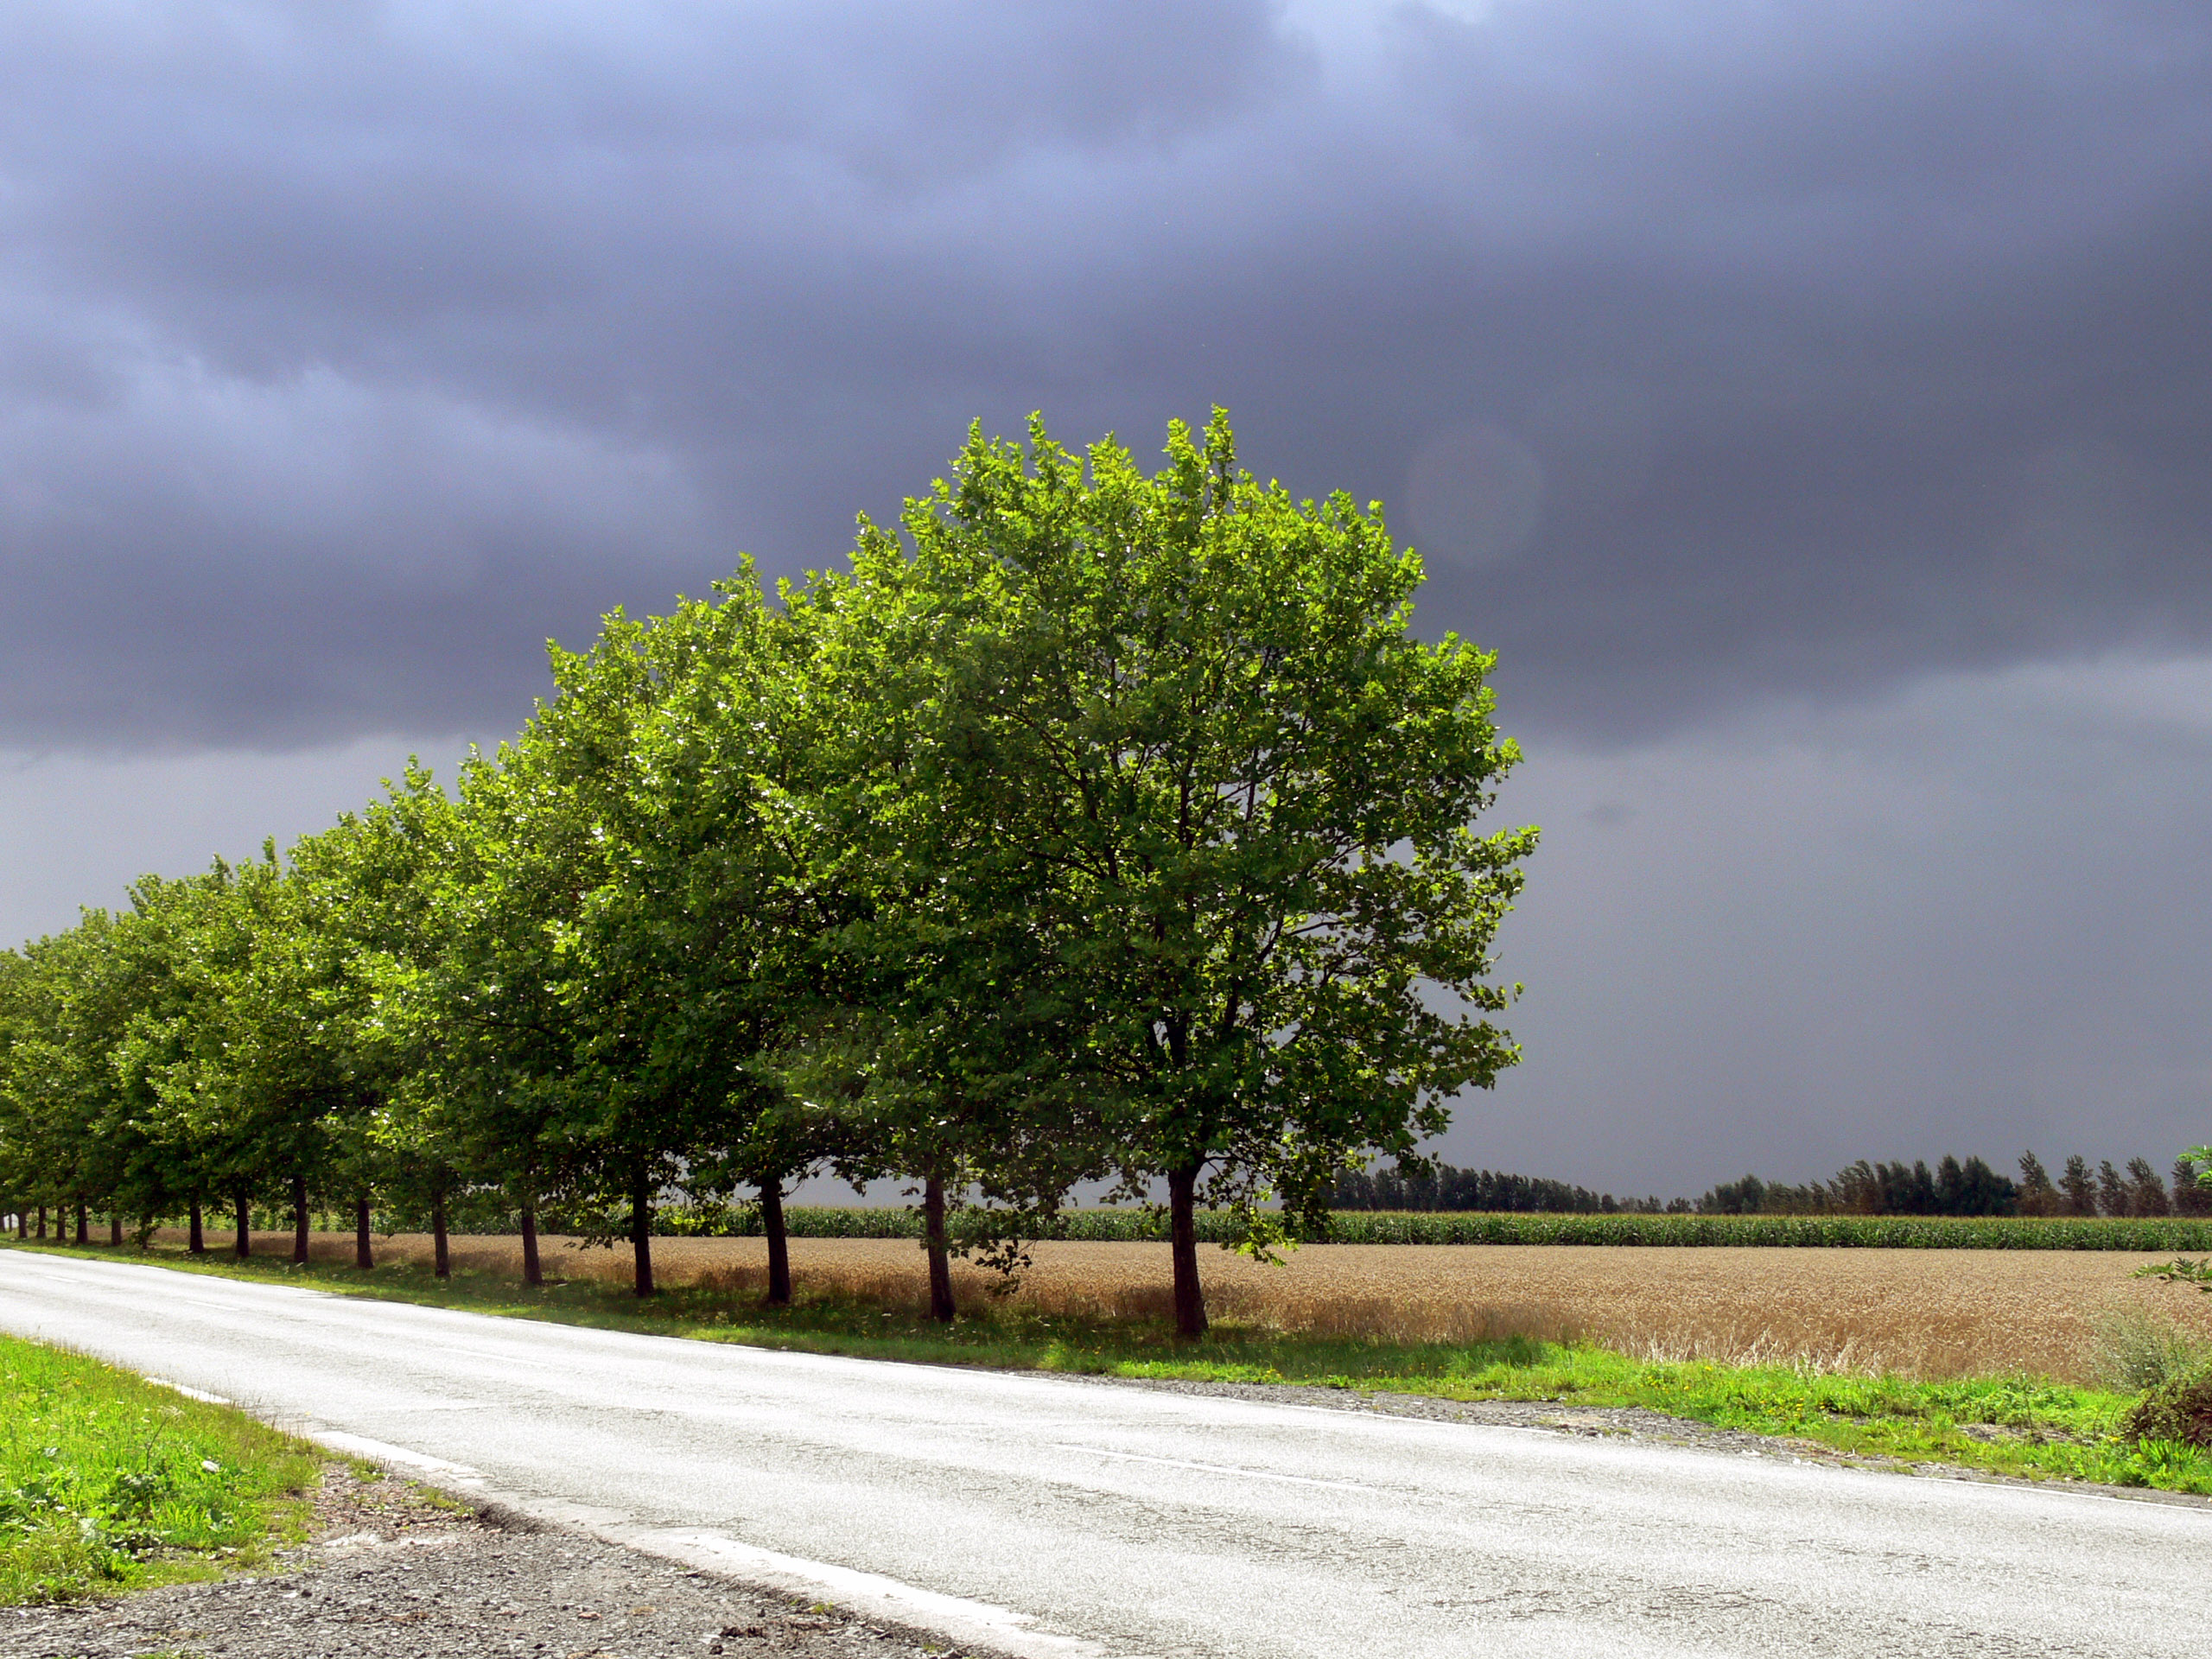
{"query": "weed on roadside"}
(2140, 1348)
(108, 1482)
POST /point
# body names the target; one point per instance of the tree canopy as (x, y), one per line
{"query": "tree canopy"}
(1087, 825)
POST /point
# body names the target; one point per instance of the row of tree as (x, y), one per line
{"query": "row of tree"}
(1972, 1188)
(1954, 1187)
(1087, 825)
(1439, 1186)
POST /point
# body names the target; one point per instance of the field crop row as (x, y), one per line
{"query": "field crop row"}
(1859, 1232)
(2148, 1235)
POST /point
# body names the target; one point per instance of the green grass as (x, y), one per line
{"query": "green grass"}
(110, 1482)
(1814, 1232)
(1457, 1227)
(2024, 1427)
(2148, 1235)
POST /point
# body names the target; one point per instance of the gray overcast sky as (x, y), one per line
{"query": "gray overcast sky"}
(1810, 403)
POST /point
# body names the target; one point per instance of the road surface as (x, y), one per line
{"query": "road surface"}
(1055, 1516)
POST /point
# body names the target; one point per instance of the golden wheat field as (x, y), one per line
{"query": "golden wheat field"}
(1928, 1313)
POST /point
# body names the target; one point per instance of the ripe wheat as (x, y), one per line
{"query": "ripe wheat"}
(1918, 1313)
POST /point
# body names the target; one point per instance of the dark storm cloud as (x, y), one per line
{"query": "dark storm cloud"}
(348, 350)
(1959, 916)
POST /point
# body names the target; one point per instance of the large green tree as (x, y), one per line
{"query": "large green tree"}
(1244, 796)
(378, 885)
(728, 908)
(65, 1105)
(272, 1077)
(98, 1008)
(621, 951)
(961, 1075)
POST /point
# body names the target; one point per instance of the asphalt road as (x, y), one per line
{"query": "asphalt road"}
(1047, 1516)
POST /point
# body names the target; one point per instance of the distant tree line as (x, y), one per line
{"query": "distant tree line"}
(1954, 1187)
(1972, 1188)
(1085, 826)
(1440, 1186)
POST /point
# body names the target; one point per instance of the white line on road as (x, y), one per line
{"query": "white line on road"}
(361, 1446)
(972, 1624)
(189, 1394)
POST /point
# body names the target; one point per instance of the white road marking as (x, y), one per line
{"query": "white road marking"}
(383, 1452)
(974, 1623)
(189, 1394)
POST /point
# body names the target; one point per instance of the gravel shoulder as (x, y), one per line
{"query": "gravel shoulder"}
(393, 1571)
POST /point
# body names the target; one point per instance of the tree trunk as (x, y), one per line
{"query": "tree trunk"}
(780, 1248)
(245, 1231)
(363, 1257)
(196, 1243)
(444, 1263)
(933, 1241)
(1183, 1245)
(299, 1219)
(115, 1230)
(41, 1223)
(531, 1273)
(83, 1236)
(641, 1234)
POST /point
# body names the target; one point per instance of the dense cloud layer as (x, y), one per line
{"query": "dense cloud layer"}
(348, 350)
(1812, 404)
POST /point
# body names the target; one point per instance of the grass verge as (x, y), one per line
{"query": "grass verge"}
(2024, 1427)
(110, 1482)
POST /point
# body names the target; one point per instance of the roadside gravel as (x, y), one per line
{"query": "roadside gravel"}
(396, 1573)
